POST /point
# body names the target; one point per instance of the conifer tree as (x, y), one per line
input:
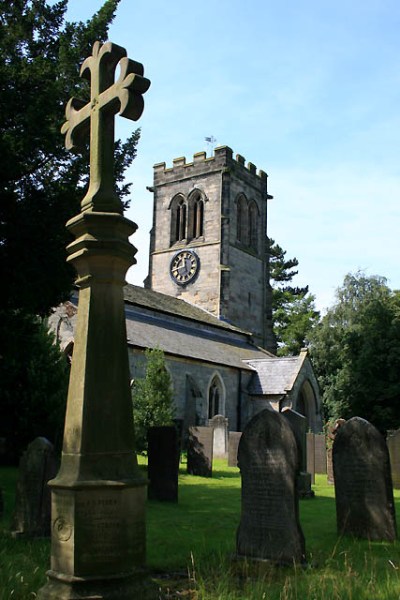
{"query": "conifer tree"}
(293, 308)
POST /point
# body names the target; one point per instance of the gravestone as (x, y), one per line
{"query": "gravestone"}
(310, 455)
(233, 445)
(219, 424)
(37, 466)
(363, 484)
(98, 544)
(163, 463)
(320, 453)
(200, 451)
(393, 444)
(299, 426)
(269, 526)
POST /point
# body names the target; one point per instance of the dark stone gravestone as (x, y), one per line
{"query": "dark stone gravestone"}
(233, 445)
(320, 453)
(2, 454)
(37, 466)
(393, 444)
(163, 463)
(363, 484)
(200, 451)
(269, 527)
(299, 426)
(310, 455)
(219, 423)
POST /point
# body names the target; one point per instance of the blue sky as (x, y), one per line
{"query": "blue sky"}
(309, 91)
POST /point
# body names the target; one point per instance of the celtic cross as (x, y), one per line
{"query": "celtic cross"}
(107, 97)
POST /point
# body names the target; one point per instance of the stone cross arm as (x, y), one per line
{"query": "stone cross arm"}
(107, 98)
(123, 96)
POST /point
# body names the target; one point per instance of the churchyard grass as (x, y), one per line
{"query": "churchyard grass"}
(190, 545)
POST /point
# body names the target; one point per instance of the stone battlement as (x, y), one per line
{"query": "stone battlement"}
(222, 158)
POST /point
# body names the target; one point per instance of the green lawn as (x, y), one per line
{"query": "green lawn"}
(190, 545)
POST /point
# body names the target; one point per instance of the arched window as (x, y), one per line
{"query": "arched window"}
(253, 226)
(215, 398)
(178, 219)
(242, 220)
(198, 218)
(196, 215)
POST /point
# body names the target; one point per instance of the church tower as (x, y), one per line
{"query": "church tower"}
(208, 242)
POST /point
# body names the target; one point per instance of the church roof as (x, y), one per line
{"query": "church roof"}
(180, 329)
(275, 376)
(174, 306)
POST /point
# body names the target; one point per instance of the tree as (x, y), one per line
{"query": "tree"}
(293, 308)
(152, 398)
(41, 184)
(356, 352)
(34, 382)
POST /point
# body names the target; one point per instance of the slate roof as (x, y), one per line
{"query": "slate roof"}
(180, 329)
(174, 306)
(275, 376)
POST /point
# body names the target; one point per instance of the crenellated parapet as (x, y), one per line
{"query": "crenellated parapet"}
(222, 160)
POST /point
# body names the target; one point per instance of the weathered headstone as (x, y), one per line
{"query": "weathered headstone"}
(99, 495)
(219, 424)
(233, 445)
(320, 453)
(393, 444)
(268, 460)
(37, 466)
(299, 426)
(200, 451)
(163, 463)
(363, 484)
(310, 451)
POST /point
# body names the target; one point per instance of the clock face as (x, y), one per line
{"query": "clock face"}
(184, 267)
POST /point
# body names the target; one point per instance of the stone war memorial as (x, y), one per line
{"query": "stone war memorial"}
(363, 483)
(269, 528)
(98, 495)
(37, 466)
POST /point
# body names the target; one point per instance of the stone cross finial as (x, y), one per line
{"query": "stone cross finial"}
(107, 97)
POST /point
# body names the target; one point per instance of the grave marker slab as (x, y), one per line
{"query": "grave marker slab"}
(37, 466)
(233, 445)
(269, 527)
(393, 444)
(298, 423)
(163, 463)
(219, 423)
(200, 451)
(363, 484)
(320, 453)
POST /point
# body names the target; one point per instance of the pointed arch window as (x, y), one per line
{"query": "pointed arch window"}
(198, 218)
(215, 398)
(253, 226)
(178, 219)
(242, 220)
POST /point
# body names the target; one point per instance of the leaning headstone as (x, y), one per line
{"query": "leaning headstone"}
(200, 451)
(269, 527)
(37, 466)
(393, 444)
(219, 424)
(363, 484)
(163, 463)
(298, 424)
(233, 445)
